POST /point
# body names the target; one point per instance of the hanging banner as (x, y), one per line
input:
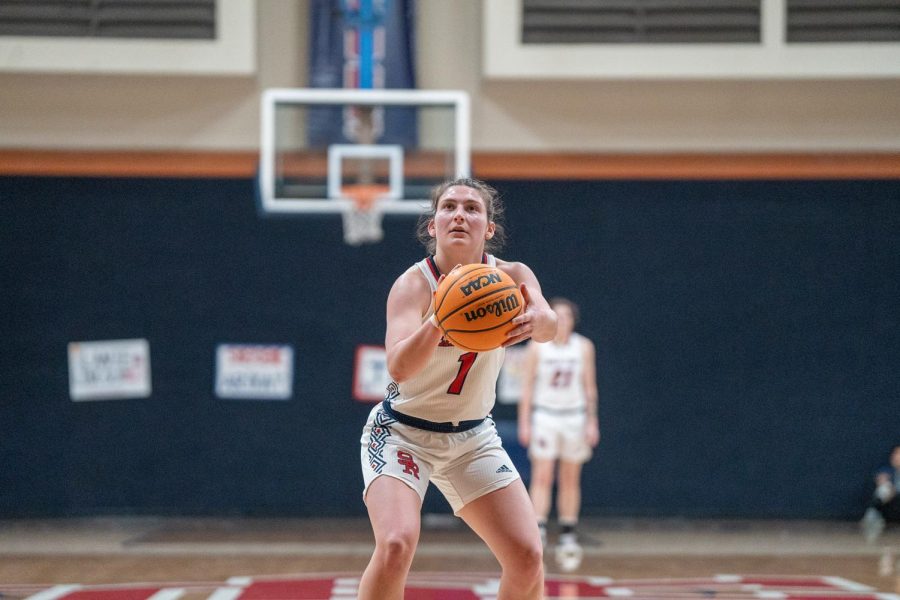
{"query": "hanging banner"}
(362, 44)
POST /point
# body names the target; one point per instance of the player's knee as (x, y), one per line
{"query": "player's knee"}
(527, 563)
(397, 548)
(570, 481)
(570, 470)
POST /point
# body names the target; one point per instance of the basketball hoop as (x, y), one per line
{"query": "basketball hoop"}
(362, 216)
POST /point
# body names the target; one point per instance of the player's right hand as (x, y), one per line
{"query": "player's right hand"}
(525, 434)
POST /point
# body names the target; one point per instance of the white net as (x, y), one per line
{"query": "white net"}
(362, 218)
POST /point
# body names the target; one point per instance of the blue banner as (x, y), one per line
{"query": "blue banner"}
(362, 44)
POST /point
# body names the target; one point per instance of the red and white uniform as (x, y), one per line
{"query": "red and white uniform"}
(454, 387)
(559, 381)
(559, 402)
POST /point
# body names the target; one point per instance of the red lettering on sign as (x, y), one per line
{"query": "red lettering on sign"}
(255, 355)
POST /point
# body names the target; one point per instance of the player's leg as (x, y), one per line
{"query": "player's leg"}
(543, 451)
(574, 452)
(504, 519)
(568, 551)
(541, 487)
(568, 501)
(395, 479)
(394, 510)
(483, 487)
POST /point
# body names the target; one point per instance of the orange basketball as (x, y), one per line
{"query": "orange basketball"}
(474, 306)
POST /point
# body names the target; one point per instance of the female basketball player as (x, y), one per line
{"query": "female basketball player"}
(558, 422)
(433, 424)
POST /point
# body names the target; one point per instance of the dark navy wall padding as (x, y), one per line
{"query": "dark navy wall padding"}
(748, 339)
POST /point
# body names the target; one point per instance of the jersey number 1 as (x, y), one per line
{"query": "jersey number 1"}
(466, 361)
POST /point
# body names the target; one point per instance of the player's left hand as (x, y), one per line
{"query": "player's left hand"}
(524, 322)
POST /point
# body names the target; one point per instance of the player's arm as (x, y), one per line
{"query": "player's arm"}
(537, 321)
(884, 486)
(409, 342)
(529, 373)
(589, 381)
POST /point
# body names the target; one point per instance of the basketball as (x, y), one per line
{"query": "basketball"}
(474, 306)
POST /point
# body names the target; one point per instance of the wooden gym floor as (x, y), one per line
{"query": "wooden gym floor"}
(36, 555)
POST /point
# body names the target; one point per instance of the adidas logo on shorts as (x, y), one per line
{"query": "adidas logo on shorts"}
(504, 469)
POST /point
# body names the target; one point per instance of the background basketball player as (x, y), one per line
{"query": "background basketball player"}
(558, 422)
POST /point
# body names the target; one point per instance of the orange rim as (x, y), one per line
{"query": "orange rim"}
(364, 195)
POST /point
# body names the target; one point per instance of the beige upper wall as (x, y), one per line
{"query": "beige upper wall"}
(222, 113)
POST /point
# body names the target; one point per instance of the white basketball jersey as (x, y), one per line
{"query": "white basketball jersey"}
(455, 385)
(560, 370)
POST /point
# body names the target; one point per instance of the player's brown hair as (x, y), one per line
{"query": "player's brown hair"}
(492, 202)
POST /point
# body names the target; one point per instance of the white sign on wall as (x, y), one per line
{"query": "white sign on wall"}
(370, 374)
(254, 372)
(109, 370)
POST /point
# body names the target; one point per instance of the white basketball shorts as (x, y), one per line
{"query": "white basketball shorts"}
(464, 466)
(559, 436)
